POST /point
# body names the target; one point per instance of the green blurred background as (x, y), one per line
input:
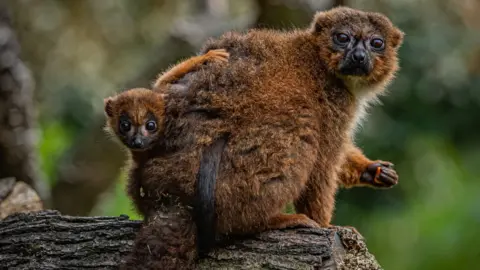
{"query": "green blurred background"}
(80, 52)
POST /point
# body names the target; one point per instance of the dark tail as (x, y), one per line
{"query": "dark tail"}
(205, 195)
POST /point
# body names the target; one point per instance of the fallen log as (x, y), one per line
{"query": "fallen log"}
(49, 240)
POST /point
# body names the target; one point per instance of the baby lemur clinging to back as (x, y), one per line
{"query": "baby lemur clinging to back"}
(276, 123)
(136, 118)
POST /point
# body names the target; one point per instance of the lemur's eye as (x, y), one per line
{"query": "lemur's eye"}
(125, 126)
(377, 43)
(151, 126)
(341, 39)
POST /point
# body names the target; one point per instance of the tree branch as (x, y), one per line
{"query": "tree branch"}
(46, 239)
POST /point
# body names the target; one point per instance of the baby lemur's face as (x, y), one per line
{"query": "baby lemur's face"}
(136, 117)
(358, 46)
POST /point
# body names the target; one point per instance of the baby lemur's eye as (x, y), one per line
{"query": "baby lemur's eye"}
(151, 126)
(341, 39)
(377, 43)
(125, 126)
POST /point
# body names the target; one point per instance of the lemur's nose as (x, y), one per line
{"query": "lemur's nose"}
(137, 143)
(359, 56)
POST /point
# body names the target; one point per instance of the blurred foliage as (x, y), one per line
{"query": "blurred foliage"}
(116, 203)
(82, 51)
(55, 139)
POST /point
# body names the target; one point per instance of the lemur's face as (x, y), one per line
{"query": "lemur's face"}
(136, 117)
(358, 45)
(359, 52)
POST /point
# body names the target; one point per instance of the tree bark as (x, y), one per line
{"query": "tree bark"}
(48, 240)
(18, 157)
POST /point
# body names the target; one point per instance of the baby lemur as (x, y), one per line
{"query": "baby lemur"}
(136, 118)
(275, 125)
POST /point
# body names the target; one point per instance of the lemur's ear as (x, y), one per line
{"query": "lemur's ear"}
(324, 19)
(108, 106)
(397, 37)
(319, 21)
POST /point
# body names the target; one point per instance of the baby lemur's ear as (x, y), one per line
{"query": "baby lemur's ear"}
(108, 106)
(397, 37)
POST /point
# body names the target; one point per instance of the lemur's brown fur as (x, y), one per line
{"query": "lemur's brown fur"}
(166, 240)
(288, 110)
(289, 113)
(140, 105)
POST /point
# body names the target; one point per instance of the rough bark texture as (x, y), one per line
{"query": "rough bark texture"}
(48, 240)
(17, 135)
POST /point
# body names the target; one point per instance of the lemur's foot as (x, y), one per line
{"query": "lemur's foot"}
(380, 174)
(284, 221)
(218, 55)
